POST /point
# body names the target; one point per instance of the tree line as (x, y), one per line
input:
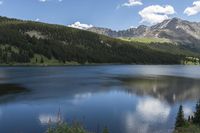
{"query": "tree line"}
(194, 119)
(67, 44)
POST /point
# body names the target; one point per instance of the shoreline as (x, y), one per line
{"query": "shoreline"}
(90, 64)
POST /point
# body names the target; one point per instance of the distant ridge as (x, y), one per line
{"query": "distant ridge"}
(177, 30)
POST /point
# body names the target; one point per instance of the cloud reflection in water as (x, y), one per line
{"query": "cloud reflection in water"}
(187, 111)
(80, 97)
(148, 111)
(48, 118)
(151, 109)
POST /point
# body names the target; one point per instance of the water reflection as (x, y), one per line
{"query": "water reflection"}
(126, 99)
(152, 110)
(82, 96)
(149, 113)
(132, 124)
(9, 92)
(166, 88)
(48, 118)
(187, 111)
(6, 89)
(0, 113)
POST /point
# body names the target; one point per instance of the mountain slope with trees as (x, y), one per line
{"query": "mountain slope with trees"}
(28, 42)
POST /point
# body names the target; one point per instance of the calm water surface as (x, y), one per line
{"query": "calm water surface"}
(126, 99)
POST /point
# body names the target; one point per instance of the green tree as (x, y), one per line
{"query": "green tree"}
(42, 60)
(180, 121)
(65, 128)
(196, 119)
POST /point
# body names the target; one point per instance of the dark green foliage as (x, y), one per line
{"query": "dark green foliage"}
(180, 121)
(65, 128)
(190, 126)
(68, 44)
(7, 55)
(62, 127)
(106, 130)
(7, 89)
(41, 60)
(196, 119)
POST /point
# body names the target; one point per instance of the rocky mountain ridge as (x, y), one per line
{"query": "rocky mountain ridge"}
(177, 30)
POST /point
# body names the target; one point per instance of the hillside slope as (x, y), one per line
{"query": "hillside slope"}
(40, 43)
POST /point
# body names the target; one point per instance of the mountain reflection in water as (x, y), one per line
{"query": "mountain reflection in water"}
(167, 88)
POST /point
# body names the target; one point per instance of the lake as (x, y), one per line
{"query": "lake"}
(124, 98)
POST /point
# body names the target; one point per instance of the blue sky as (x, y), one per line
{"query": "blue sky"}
(115, 14)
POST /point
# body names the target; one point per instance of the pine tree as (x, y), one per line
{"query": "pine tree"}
(180, 121)
(189, 119)
(42, 60)
(196, 119)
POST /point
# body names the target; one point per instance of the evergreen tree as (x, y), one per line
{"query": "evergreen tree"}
(189, 119)
(42, 60)
(180, 121)
(196, 119)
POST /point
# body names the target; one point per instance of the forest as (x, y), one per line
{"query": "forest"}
(29, 42)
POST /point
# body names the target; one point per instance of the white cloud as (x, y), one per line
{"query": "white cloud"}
(79, 25)
(153, 110)
(132, 3)
(37, 19)
(42, 0)
(156, 13)
(49, 0)
(195, 9)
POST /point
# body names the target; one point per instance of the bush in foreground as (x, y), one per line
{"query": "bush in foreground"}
(190, 128)
(65, 128)
(62, 127)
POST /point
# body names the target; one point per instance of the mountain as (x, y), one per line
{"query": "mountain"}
(132, 32)
(29, 42)
(179, 31)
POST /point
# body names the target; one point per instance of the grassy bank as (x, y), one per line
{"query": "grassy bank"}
(146, 40)
(190, 128)
(62, 127)
(65, 128)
